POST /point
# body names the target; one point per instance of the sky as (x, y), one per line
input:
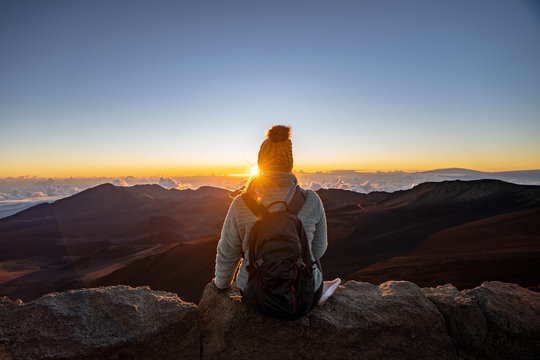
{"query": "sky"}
(172, 88)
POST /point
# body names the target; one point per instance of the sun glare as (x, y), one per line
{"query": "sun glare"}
(254, 170)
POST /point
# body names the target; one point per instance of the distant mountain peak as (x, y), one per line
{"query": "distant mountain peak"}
(453, 170)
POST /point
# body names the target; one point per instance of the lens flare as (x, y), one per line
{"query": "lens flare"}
(254, 170)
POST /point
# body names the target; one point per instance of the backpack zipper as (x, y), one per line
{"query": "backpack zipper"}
(292, 288)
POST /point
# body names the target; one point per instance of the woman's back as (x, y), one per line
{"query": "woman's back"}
(275, 184)
(268, 188)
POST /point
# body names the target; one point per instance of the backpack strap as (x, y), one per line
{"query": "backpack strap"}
(256, 207)
(297, 202)
(294, 206)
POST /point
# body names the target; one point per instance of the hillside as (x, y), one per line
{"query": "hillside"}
(71, 242)
(184, 269)
(389, 226)
(147, 235)
(360, 236)
(503, 247)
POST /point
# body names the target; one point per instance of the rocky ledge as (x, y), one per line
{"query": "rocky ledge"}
(395, 320)
(116, 322)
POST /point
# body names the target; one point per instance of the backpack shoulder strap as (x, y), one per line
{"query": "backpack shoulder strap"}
(257, 208)
(297, 202)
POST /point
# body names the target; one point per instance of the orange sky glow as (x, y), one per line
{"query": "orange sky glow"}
(126, 168)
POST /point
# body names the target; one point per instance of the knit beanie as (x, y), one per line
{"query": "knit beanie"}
(275, 154)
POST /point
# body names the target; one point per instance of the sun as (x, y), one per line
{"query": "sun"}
(254, 170)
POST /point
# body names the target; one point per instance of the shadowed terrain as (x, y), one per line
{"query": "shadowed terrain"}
(503, 247)
(71, 242)
(463, 232)
(184, 269)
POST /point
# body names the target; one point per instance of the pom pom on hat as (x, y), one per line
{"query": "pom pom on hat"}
(275, 154)
(278, 133)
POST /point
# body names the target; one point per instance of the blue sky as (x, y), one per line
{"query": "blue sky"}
(121, 87)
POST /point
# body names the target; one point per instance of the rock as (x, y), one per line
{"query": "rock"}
(4, 300)
(361, 321)
(465, 320)
(493, 321)
(513, 320)
(395, 320)
(101, 323)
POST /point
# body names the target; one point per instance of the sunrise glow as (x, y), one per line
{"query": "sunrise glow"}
(192, 92)
(254, 170)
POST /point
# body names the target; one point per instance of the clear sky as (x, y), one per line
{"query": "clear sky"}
(112, 88)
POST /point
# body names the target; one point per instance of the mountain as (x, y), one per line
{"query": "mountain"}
(529, 177)
(112, 214)
(360, 236)
(502, 247)
(184, 269)
(453, 171)
(370, 234)
(147, 235)
(70, 242)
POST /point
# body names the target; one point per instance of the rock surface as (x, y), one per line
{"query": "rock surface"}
(493, 321)
(395, 320)
(362, 321)
(102, 323)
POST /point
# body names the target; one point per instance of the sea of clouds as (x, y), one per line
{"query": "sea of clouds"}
(19, 193)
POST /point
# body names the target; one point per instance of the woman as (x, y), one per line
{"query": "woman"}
(275, 183)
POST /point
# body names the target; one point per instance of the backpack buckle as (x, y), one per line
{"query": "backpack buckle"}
(300, 263)
(258, 263)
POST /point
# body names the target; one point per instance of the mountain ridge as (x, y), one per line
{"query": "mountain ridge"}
(141, 224)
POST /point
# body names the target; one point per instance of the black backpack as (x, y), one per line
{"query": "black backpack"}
(280, 282)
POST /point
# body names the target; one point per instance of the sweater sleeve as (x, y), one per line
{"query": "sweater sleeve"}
(229, 250)
(320, 240)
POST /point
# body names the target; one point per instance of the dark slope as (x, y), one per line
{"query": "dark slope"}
(380, 226)
(77, 239)
(184, 269)
(113, 214)
(336, 198)
(359, 237)
(504, 247)
(85, 237)
(98, 201)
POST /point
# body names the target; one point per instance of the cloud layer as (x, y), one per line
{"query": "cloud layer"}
(19, 193)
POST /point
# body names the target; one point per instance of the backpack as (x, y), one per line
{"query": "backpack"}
(280, 282)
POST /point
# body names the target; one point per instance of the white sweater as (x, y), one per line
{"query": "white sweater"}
(240, 220)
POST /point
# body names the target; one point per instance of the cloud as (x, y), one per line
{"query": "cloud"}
(47, 182)
(36, 194)
(340, 184)
(169, 183)
(34, 189)
(314, 186)
(120, 182)
(15, 194)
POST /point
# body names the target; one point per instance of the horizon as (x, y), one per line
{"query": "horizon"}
(188, 88)
(248, 173)
(19, 193)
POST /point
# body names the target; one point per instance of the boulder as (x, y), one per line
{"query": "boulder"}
(395, 320)
(101, 323)
(513, 320)
(361, 321)
(465, 320)
(493, 321)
